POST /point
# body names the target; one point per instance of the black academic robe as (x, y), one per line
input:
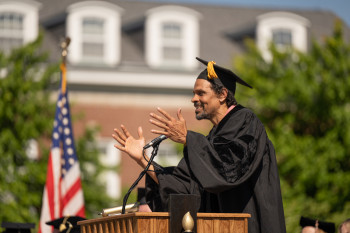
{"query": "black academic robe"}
(233, 170)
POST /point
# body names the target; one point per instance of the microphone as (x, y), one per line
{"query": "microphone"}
(117, 210)
(155, 141)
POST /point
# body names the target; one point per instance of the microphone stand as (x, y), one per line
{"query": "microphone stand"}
(154, 153)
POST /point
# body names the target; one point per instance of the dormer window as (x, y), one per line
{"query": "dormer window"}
(95, 29)
(172, 41)
(92, 39)
(11, 28)
(18, 23)
(284, 29)
(282, 37)
(172, 38)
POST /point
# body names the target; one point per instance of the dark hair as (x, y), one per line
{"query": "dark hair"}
(230, 99)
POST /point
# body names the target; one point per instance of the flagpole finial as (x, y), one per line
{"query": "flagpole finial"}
(64, 47)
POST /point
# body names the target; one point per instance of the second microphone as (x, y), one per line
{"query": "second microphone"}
(155, 141)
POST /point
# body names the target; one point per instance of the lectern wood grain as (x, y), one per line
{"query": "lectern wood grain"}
(158, 222)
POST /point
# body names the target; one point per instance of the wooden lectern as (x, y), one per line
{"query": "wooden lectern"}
(158, 222)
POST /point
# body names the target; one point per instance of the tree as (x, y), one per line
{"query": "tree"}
(303, 99)
(26, 113)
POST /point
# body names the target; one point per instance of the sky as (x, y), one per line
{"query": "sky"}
(340, 7)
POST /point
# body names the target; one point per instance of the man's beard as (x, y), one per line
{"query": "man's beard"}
(203, 114)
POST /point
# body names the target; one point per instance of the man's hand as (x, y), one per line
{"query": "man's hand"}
(175, 129)
(128, 144)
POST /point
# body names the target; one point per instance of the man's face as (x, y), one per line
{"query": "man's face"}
(205, 100)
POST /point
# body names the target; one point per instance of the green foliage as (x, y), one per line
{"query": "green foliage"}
(303, 99)
(24, 114)
(27, 112)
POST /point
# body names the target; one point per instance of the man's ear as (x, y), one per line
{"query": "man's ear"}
(223, 95)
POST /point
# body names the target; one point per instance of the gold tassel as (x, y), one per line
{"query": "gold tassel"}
(63, 224)
(211, 71)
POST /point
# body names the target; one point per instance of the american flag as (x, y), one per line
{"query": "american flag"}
(63, 194)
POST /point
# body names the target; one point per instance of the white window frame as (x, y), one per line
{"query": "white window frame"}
(110, 157)
(283, 32)
(30, 11)
(154, 41)
(111, 14)
(32, 149)
(112, 182)
(267, 23)
(172, 42)
(93, 38)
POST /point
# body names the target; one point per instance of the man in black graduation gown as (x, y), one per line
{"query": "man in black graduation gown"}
(233, 169)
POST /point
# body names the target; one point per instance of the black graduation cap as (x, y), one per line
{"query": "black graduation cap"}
(15, 227)
(328, 227)
(67, 224)
(220, 75)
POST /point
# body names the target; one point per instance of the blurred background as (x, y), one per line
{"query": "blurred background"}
(128, 57)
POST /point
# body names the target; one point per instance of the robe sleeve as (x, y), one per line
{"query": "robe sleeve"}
(229, 157)
(172, 180)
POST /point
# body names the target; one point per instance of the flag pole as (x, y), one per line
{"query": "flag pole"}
(63, 193)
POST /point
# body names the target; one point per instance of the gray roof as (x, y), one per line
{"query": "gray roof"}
(217, 25)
